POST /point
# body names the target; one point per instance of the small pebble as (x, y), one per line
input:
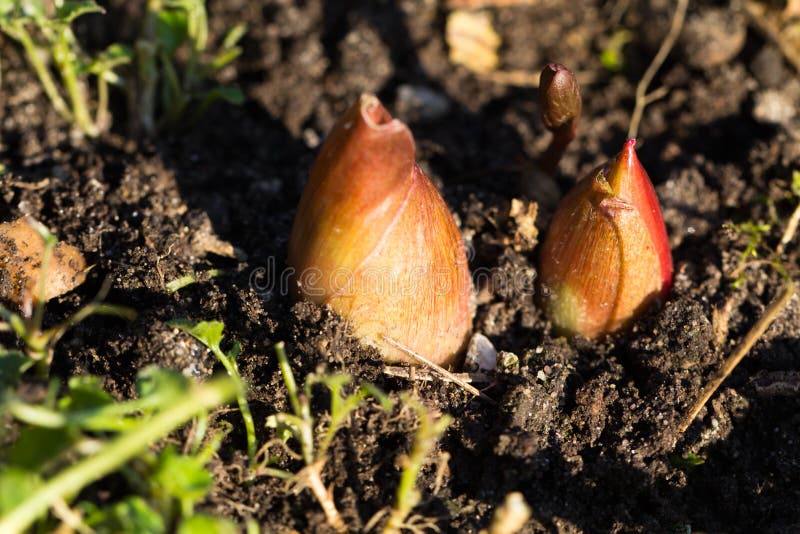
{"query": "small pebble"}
(773, 106)
(481, 354)
(417, 103)
(768, 68)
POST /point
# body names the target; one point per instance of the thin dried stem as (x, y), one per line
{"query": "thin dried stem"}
(658, 60)
(755, 333)
(424, 375)
(444, 373)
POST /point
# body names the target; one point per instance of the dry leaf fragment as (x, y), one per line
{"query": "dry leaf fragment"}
(523, 221)
(21, 253)
(473, 40)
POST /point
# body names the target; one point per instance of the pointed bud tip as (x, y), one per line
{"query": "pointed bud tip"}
(628, 155)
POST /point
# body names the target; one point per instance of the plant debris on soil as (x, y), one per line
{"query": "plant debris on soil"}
(586, 430)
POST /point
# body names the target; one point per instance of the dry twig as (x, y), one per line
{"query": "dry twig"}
(642, 97)
(758, 329)
(438, 369)
(424, 375)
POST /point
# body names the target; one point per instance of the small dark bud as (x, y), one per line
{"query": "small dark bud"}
(560, 98)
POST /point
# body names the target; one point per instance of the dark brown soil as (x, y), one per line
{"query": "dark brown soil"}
(586, 430)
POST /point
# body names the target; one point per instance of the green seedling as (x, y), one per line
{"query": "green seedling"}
(173, 484)
(171, 90)
(685, 463)
(63, 449)
(612, 57)
(755, 232)
(408, 496)
(313, 443)
(44, 29)
(774, 308)
(186, 280)
(39, 342)
(209, 333)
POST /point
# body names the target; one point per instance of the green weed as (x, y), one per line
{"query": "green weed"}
(313, 442)
(44, 29)
(171, 90)
(209, 333)
(70, 442)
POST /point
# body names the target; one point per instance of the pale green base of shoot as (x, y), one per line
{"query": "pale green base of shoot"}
(110, 457)
(184, 281)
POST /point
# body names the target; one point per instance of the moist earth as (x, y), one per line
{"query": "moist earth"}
(587, 430)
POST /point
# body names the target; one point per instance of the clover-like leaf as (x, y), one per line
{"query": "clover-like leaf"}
(72, 9)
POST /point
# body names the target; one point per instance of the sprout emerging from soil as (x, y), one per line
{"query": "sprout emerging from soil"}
(606, 257)
(374, 239)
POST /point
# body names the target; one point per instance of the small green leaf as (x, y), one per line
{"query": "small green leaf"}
(612, 57)
(231, 95)
(37, 446)
(72, 9)
(12, 364)
(85, 393)
(171, 29)
(687, 462)
(165, 383)
(110, 58)
(796, 183)
(234, 35)
(236, 349)
(16, 484)
(382, 398)
(197, 24)
(205, 524)
(182, 477)
(209, 333)
(224, 59)
(179, 283)
(131, 514)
